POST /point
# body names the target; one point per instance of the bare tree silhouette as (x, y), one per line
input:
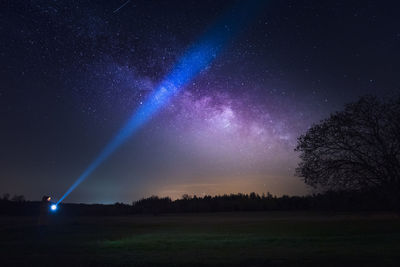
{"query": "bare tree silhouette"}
(357, 148)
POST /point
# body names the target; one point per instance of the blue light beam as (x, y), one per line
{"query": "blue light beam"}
(196, 59)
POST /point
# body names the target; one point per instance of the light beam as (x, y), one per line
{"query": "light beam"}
(196, 59)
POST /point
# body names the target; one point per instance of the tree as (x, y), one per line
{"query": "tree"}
(18, 198)
(6, 196)
(354, 149)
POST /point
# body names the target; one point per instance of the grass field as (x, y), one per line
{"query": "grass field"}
(221, 239)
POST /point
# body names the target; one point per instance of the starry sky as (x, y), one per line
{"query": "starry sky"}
(72, 73)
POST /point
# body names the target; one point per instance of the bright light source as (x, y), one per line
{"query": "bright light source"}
(53, 207)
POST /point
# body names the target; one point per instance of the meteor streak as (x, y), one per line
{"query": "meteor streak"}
(196, 59)
(124, 4)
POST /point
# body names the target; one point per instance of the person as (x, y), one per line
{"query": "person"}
(44, 211)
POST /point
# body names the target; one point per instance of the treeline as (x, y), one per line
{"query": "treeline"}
(328, 201)
(15, 198)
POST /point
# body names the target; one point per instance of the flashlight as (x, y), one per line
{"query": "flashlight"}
(53, 207)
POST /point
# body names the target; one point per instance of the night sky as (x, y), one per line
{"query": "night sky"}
(73, 72)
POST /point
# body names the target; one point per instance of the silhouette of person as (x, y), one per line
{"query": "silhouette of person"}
(44, 211)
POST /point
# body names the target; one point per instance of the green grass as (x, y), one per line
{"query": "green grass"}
(224, 239)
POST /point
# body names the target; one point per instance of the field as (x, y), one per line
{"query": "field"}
(220, 239)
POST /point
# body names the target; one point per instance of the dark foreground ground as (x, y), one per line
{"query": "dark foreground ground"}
(223, 239)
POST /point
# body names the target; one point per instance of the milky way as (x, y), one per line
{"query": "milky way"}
(222, 127)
